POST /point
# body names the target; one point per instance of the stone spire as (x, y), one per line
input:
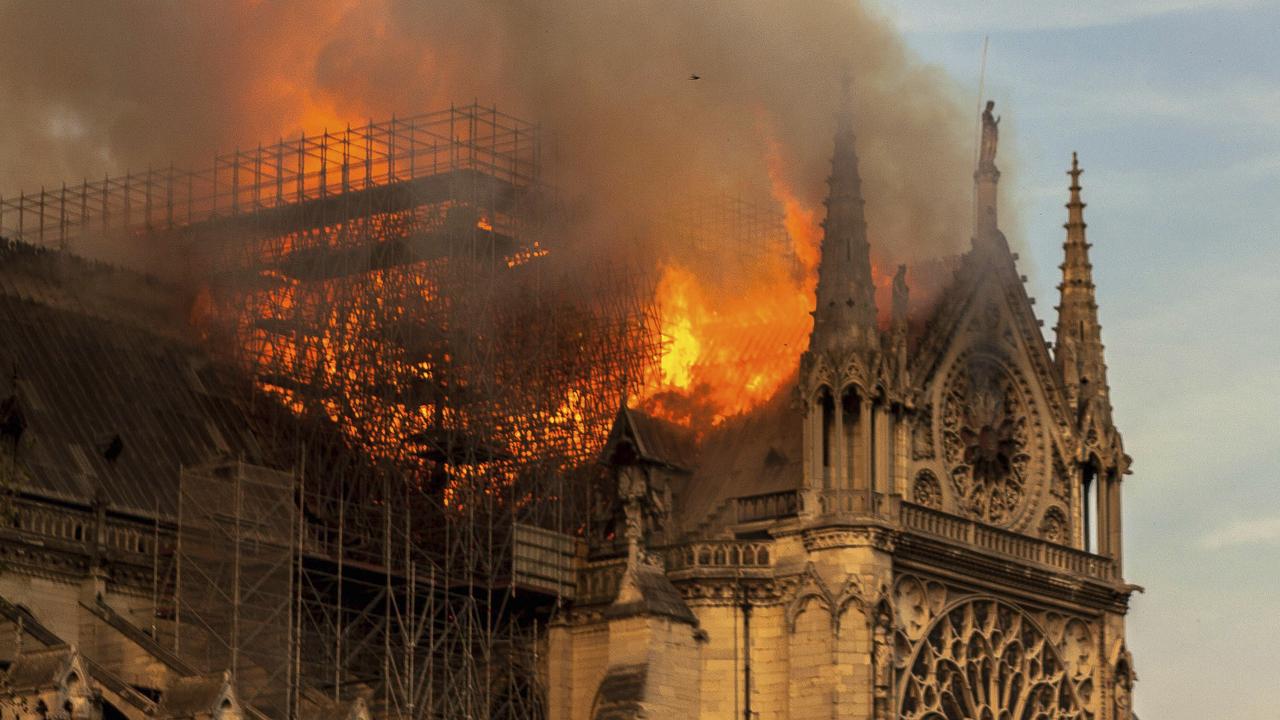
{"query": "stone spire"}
(1078, 342)
(845, 316)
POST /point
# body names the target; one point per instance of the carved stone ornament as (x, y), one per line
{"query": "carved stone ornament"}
(926, 490)
(830, 538)
(922, 435)
(987, 441)
(1059, 482)
(1123, 689)
(916, 602)
(1054, 526)
(985, 660)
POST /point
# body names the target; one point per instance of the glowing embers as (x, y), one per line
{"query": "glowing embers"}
(469, 378)
(525, 255)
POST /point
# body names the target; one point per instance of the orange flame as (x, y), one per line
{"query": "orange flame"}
(726, 353)
(800, 218)
(730, 348)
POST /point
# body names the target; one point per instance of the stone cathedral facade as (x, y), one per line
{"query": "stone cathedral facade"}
(930, 528)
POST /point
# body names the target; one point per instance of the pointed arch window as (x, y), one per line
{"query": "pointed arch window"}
(1089, 497)
(827, 403)
(850, 407)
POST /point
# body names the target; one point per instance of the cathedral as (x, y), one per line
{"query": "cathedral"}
(926, 527)
(929, 528)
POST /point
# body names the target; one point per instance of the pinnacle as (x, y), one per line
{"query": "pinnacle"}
(1077, 309)
(845, 310)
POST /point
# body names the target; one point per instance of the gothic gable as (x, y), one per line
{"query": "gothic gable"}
(993, 422)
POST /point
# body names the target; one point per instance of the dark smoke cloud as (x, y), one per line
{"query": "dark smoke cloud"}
(93, 88)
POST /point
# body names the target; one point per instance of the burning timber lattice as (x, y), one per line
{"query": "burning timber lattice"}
(438, 393)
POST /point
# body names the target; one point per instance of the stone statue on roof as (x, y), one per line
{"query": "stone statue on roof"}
(990, 134)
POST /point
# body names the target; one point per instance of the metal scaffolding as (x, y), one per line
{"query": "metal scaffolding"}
(234, 577)
(728, 232)
(438, 390)
(473, 143)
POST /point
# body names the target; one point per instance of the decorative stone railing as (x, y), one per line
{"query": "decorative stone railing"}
(849, 502)
(76, 526)
(598, 581)
(719, 554)
(927, 521)
(768, 506)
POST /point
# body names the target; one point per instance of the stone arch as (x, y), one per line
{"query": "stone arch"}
(820, 374)
(810, 588)
(975, 653)
(801, 603)
(849, 601)
(852, 648)
(853, 375)
(812, 656)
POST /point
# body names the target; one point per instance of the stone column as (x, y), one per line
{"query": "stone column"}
(559, 671)
(864, 441)
(884, 452)
(839, 451)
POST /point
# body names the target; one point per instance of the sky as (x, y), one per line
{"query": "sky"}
(1174, 108)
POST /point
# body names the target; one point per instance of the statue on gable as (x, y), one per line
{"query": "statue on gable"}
(990, 135)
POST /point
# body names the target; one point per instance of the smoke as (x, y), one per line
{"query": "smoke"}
(95, 88)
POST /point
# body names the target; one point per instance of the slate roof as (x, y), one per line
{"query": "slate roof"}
(661, 441)
(100, 353)
(750, 455)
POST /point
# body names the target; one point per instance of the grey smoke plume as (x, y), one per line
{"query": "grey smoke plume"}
(94, 88)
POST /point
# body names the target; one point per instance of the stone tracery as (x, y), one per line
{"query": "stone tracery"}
(927, 490)
(987, 441)
(1054, 526)
(986, 660)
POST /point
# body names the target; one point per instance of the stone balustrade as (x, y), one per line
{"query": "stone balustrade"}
(77, 527)
(719, 554)
(768, 506)
(918, 518)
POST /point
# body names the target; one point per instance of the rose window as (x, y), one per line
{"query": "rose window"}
(984, 434)
(985, 660)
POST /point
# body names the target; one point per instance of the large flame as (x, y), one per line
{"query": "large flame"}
(733, 344)
(735, 332)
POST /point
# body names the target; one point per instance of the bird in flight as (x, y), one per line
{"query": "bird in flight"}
(695, 77)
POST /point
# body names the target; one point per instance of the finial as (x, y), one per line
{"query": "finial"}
(1076, 206)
